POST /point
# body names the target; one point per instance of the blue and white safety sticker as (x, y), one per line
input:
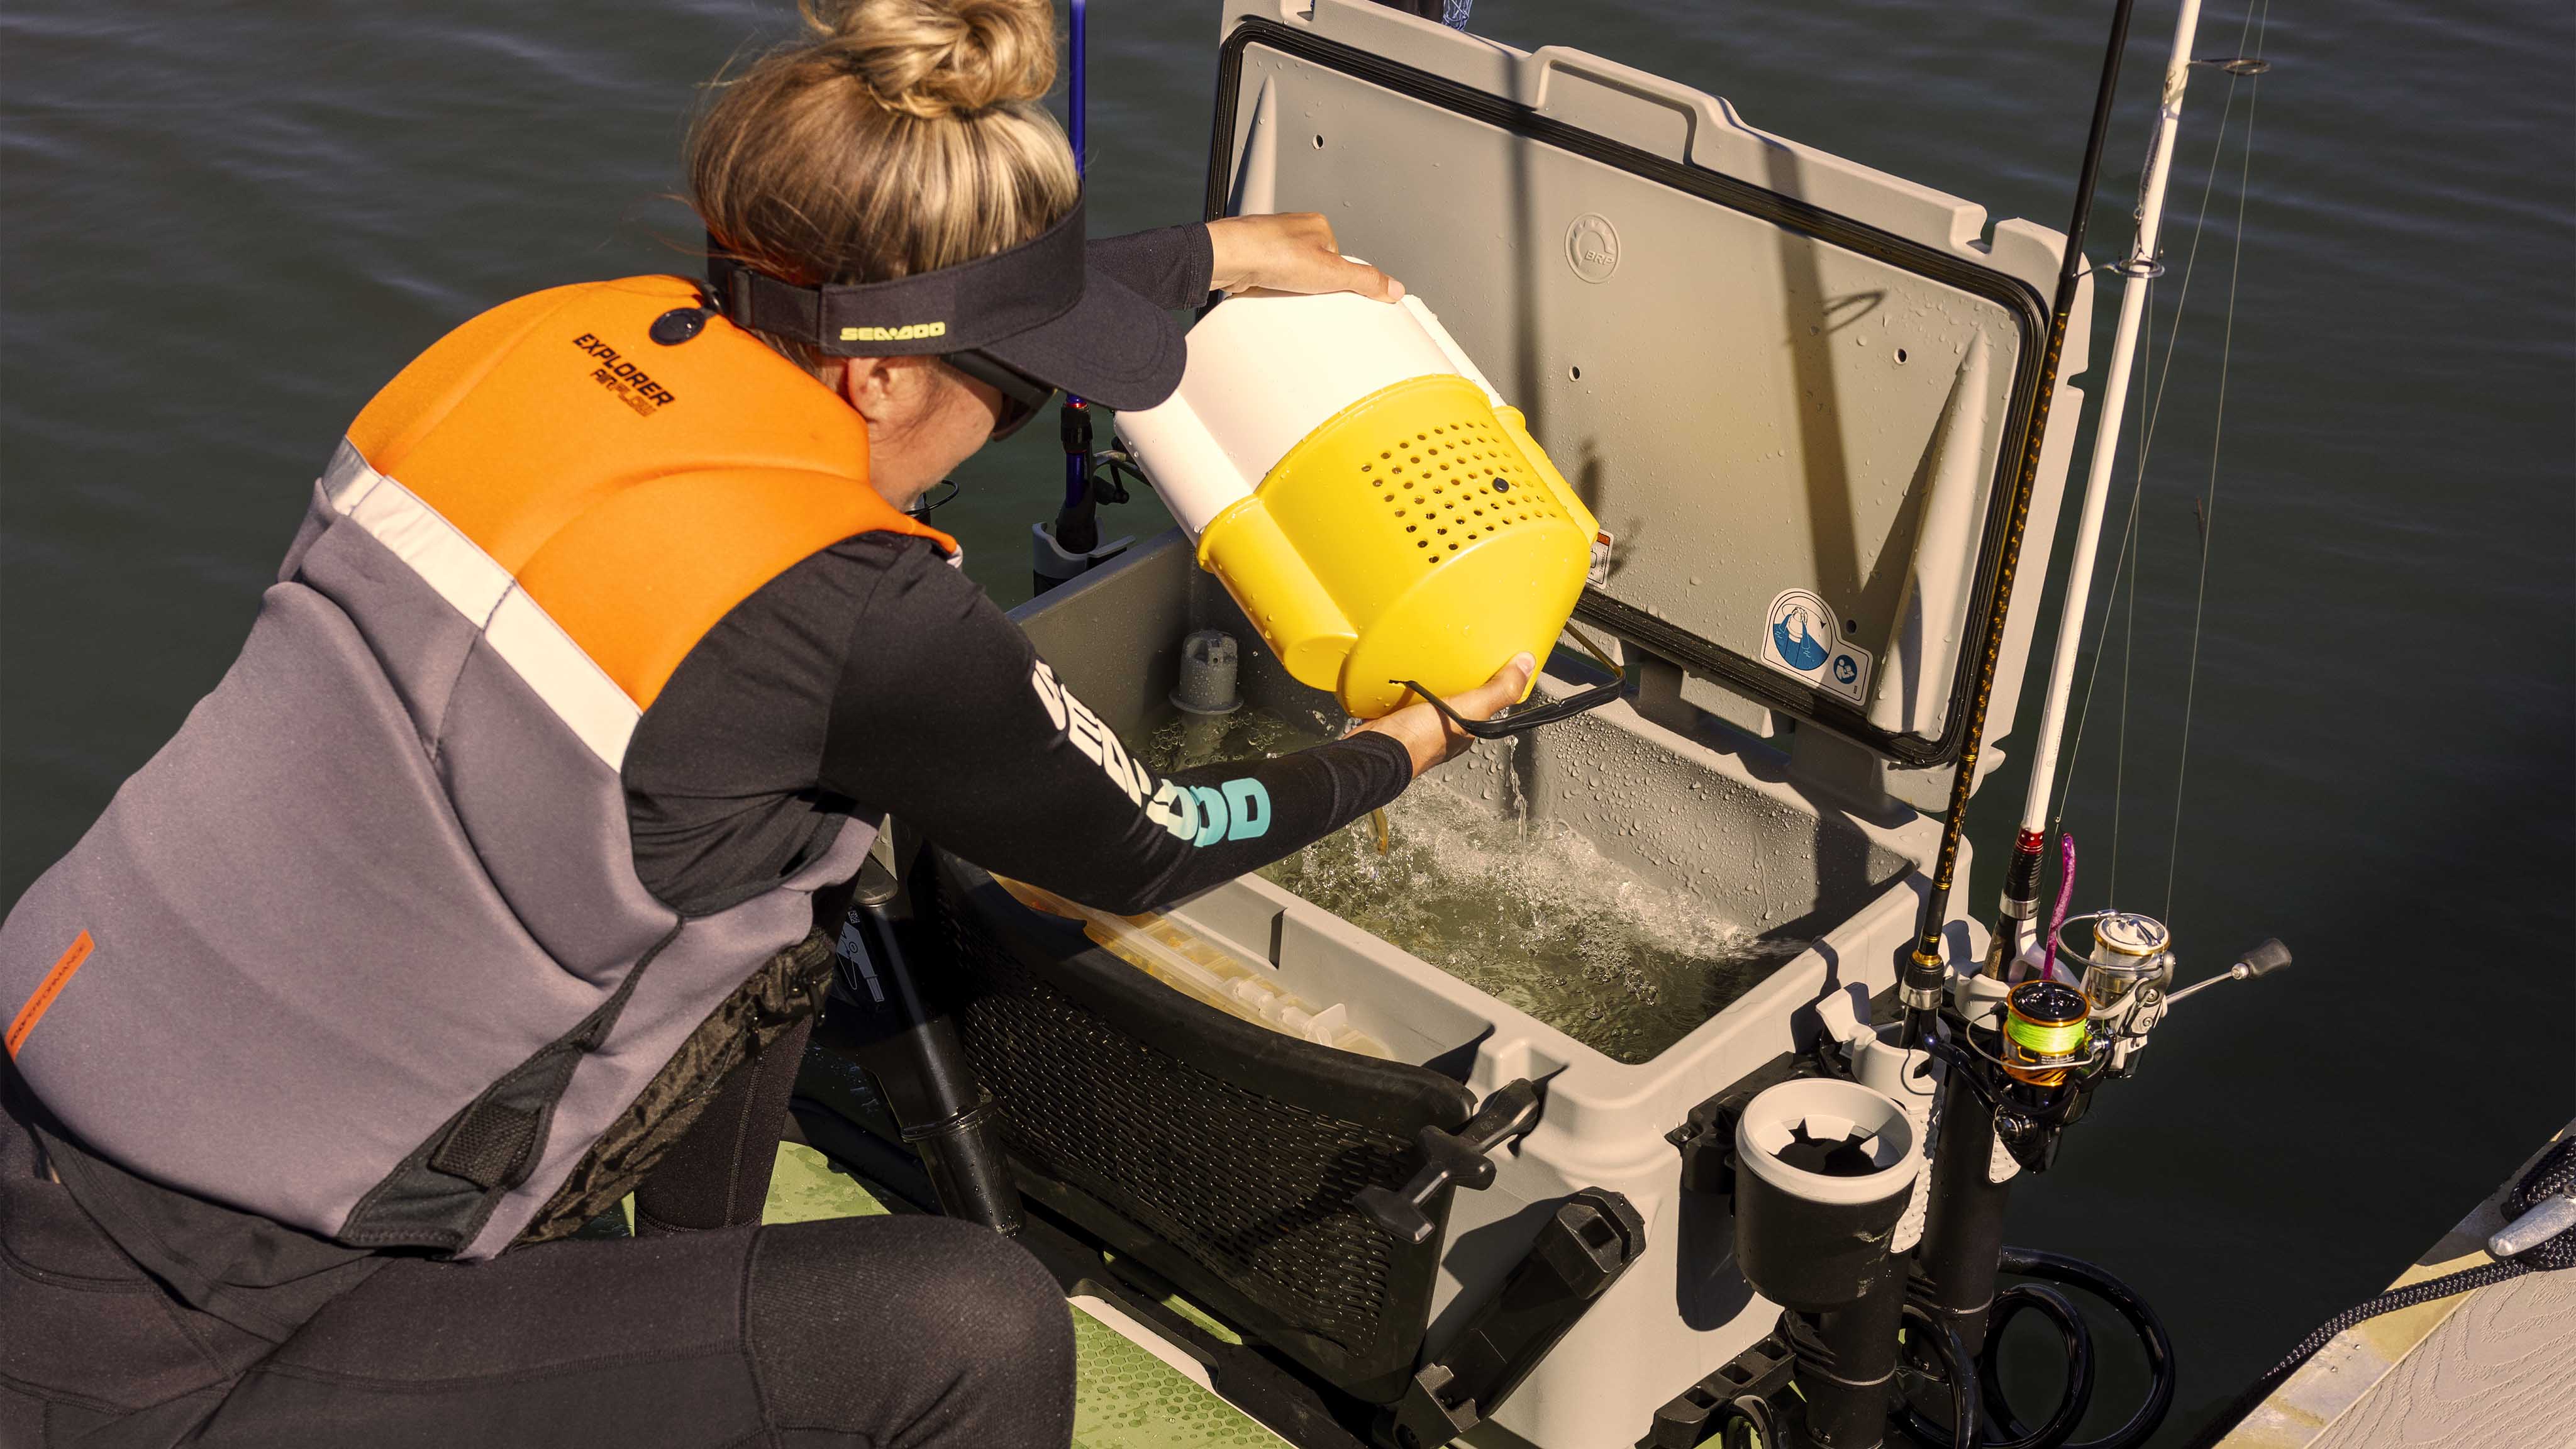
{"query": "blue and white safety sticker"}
(1800, 637)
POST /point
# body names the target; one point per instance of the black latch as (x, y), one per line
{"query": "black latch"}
(1459, 1158)
(1706, 1137)
(1582, 1250)
(1707, 1142)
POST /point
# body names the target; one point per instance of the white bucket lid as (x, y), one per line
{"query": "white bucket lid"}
(1265, 370)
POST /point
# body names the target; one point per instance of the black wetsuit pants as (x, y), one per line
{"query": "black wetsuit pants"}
(913, 1331)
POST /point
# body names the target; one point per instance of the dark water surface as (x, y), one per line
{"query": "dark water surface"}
(223, 226)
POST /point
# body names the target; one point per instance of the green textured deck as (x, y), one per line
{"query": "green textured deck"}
(1124, 1397)
(804, 1186)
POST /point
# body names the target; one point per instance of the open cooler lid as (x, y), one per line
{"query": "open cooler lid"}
(1793, 389)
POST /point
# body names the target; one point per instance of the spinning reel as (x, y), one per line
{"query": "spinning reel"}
(1820, 1183)
(2036, 1050)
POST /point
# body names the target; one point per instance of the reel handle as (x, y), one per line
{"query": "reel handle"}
(2264, 959)
(2269, 957)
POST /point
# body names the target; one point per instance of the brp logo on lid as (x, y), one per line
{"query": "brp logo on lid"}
(1592, 247)
(1801, 638)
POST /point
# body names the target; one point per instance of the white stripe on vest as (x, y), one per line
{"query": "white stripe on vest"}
(579, 692)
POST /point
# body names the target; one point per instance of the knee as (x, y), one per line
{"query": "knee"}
(969, 1339)
(1005, 1318)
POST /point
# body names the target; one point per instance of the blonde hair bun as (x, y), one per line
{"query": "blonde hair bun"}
(900, 137)
(931, 59)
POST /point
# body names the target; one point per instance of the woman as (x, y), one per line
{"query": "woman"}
(483, 889)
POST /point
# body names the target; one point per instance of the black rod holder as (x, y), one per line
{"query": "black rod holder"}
(912, 1050)
(1844, 1360)
(1963, 1226)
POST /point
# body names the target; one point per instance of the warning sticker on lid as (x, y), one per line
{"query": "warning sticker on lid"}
(1801, 637)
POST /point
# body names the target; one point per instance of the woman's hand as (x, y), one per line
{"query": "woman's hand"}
(1430, 738)
(1293, 252)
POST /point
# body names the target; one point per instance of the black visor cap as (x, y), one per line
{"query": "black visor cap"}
(1038, 308)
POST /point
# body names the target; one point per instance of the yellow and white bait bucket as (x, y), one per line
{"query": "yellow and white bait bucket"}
(1369, 500)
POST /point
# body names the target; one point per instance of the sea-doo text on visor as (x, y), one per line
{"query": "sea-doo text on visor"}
(1026, 320)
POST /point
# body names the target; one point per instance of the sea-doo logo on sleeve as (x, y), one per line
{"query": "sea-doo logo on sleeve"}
(1234, 810)
(1096, 741)
(633, 385)
(909, 332)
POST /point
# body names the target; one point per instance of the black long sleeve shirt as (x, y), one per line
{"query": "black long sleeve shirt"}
(872, 678)
(869, 678)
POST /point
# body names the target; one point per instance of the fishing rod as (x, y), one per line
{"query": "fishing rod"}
(1077, 86)
(1077, 528)
(1071, 544)
(2020, 1062)
(2020, 903)
(1921, 988)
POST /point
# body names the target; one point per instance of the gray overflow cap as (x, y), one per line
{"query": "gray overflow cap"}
(1207, 674)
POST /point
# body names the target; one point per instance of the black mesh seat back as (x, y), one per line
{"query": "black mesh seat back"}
(1223, 1155)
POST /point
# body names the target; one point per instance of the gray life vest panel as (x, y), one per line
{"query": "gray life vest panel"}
(363, 948)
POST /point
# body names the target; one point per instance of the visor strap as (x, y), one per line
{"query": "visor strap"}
(756, 300)
(950, 309)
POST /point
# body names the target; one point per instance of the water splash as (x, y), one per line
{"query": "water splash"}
(1527, 911)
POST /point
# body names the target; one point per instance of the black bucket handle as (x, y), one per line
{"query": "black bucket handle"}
(1520, 722)
(1503, 727)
